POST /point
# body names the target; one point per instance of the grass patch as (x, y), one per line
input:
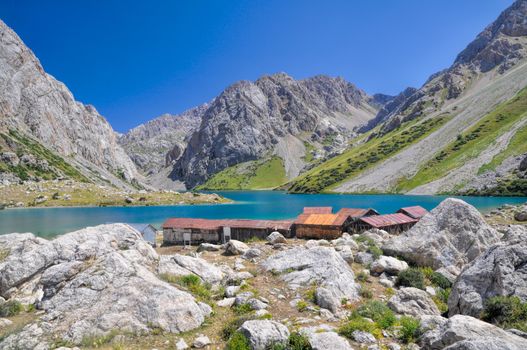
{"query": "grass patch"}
(506, 312)
(10, 308)
(238, 342)
(470, 143)
(96, 341)
(329, 174)
(410, 329)
(301, 306)
(4, 253)
(411, 277)
(378, 312)
(260, 174)
(191, 283)
(357, 323)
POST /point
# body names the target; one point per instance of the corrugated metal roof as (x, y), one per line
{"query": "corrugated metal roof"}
(321, 219)
(388, 220)
(355, 212)
(318, 210)
(415, 212)
(207, 224)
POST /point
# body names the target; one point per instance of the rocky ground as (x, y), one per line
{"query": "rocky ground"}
(453, 281)
(67, 193)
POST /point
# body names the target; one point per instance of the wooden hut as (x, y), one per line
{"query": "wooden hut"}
(148, 232)
(416, 212)
(244, 230)
(392, 223)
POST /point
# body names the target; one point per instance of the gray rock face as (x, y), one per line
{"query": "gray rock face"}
(320, 265)
(465, 332)
(90, 282)
(324, 340)
(389, 265)
(274, 112)
(413, 302)
(453, 234)
(181, 265)
(264, 333)
(363, 337)
(501, 270)
(36, 104)
(161, 141)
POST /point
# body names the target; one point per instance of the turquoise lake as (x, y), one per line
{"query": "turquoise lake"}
(49, 222)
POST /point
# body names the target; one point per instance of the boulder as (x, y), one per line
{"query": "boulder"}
(89, 283)
(521, 215)
(468, 333)
(4, 322)
(323, 339)
(252, 253)
(454, 233)
(345, 252)
(389, 265)
(180, 265)
(377, 236)
(208, 247)
(276, 237)
(345, 240)
(523, 164)
(501, 270)
(201, 341)
(363, 258)
(181, 344)
(301, 267)
(413, 302)
(363, 337)
(234, 247)
(262, 334)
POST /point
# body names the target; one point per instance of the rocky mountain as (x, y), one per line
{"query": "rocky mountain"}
(161, 141)
(294, 120)
(39, 118)
(465, 121)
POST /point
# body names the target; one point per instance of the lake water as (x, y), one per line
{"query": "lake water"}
(49, 222)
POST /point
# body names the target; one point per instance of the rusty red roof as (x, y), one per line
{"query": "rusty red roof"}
(379, 221)
(357, 212)
(207, 224)
(415, 212)
(318, 210)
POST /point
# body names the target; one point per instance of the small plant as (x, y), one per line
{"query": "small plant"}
(356, 323)
(506, 312)
(238, 342)
(427, 271)
(298, 341)
(366, 292)
(10, 308)
(379, 312)
(4, 253)
(230, 328)
(301, 306)
(96, 341)
(439, 280)
(311, 294)
(189, 280)
(375, 251)
(390, 292)
(363, 276)
(409, 329)
(193, 284)
(242, 309)
(441, 299)
(411, 277)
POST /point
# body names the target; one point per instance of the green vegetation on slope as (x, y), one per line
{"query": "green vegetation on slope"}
(516, 146)
(24, 145)
(254, 175)
(470, 143)
(359, 158)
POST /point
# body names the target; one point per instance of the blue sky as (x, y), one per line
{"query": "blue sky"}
(134, 60)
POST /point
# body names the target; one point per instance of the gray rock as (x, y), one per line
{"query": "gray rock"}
(454, 233)
(320, 265)
(180, 265)
(227, 302)
(363, 258)
(363, 337)
(252, 253)
(449, 272)
(345, 252)
(465, 332)
(4, 322)
(201, 341)
(413, 302)
(276, 237)
(234, 247)
(181, 344)
(256, 304)
(377, 236)
(243, 298)
(231, 291)
(90, 282)
(264, 333)
(501, 270)
(389, 265)
(209, 247)
(521, 216)
(322, 339)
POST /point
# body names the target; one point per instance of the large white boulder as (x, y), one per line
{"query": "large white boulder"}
(262, 334)
(180, 265)
(453, 234)
(413, 302)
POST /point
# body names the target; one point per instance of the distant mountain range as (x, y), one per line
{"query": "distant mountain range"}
(463, 131)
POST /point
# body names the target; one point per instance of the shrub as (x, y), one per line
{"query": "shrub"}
(238, 342)
(440, 281)
(311, 294)
(195, 286)
(301, 306)
(189, 280)
(365, 292)
(10, 308)
(356, 323)
(411, 277)
(379, 312)
(375, 251)
(298, 341)
(409, 329)
(506, 311)
(363, 276)
(242, 309)
(441, 299)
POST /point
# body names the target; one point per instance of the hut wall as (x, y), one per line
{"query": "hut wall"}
(175, 236)
(318, 232)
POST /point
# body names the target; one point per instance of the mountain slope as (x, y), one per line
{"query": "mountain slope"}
(161, 141)
(490, 71)
(274, 116)
(38, 107)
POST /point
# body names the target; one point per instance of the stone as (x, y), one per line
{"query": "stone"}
(261, 334)
(261, 312)
(89, 282)
(181, 344)
(4, 322)
(201, 341)
(243, 298)
(323, 266)
(449, 272)
(377, 236)
(389, 265)
(256, 304)
(363, 258)
(466, 332)
(413, 302)
(209, 247)
(430, 290)
(520, 216)
(276, 237)
(324, 339)
(231, 291)
(454, 233)
(501, 270)
(234, 247)
(252, 253)
(363, 337)
(180, 265)
(226, 302)
(345, 252)
(129, 200)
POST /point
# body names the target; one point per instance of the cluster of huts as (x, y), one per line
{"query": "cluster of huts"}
(313, 223)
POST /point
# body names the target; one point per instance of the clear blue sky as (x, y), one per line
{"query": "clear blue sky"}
(134, 60)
